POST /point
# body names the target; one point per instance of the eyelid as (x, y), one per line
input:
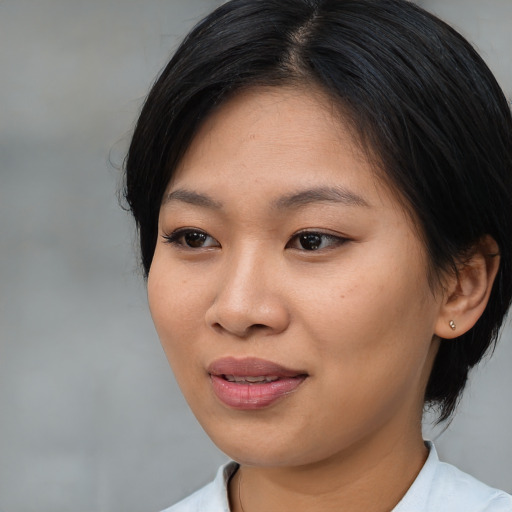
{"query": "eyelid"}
(173, 238)
(337, 239)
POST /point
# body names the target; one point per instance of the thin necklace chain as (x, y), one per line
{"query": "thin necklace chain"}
(240, 491)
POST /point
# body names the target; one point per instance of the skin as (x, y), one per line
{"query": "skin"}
(357, 314)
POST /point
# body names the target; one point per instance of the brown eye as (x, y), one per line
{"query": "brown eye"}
(310, 241)
(195, 239)
(191, 239)
(314, 241)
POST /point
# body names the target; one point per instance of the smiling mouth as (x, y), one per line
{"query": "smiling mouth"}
(252, 383)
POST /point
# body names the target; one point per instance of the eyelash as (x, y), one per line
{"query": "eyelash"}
(334, 240)
(177, 238)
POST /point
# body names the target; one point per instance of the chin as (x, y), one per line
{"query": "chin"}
(267, 449)
(260, 448)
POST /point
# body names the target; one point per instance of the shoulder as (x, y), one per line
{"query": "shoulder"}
(212, 497)
(195, 501)
(441, 487)
(468, 493)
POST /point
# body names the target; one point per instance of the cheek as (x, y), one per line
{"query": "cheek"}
(373, 318)
(175, 312)
(175, 304)
(373, 352)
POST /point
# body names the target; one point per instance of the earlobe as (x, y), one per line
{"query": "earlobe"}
(468, 292)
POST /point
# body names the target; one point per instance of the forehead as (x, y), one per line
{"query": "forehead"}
(280, 128)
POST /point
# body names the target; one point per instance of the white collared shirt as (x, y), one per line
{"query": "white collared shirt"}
(439, 487)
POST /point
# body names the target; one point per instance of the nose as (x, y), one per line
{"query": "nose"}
(249, 299)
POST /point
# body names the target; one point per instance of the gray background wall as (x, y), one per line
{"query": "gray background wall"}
(91, 419)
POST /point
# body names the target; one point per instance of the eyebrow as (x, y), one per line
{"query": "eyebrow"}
(294, 200)
(194, 198)
(320, 195)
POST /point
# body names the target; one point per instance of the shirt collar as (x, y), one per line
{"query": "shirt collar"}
(418, 494)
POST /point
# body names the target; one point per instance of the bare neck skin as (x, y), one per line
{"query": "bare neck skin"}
(370, 480)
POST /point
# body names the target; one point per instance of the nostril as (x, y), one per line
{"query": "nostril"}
(263, 315)
(241, 332)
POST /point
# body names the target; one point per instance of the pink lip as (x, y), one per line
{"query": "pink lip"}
(250, 396)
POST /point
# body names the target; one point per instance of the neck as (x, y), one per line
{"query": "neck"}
(372, 478)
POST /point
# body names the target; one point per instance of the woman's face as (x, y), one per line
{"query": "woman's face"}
(288, 287)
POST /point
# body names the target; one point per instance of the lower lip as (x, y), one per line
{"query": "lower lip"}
(253, 396)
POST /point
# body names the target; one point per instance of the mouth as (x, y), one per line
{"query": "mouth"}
(251, 380)
(252, 383)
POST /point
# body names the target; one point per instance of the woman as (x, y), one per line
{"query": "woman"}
(323, 191)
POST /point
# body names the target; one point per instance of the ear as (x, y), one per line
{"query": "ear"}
(468, 292)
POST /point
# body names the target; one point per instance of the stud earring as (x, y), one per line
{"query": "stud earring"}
(452, 325)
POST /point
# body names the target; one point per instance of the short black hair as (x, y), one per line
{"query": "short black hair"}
(413, 90)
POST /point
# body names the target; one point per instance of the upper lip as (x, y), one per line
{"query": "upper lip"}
(251, 367)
